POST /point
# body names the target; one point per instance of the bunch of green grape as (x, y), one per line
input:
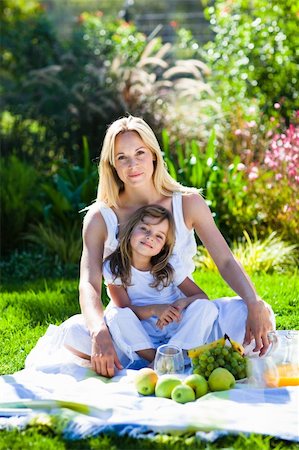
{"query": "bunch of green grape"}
(220, 356)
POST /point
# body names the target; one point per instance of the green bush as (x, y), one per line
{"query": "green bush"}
(260, 195)
(18, 200)
(104, 70)
(268, 255)
(254, 53)
(99, 41)
(34, 264)
(24, 137)
(27, 42)
(62, 242)
(223, 187)
(64, 193)
(48, 216)
(70, 91)
(273, 183)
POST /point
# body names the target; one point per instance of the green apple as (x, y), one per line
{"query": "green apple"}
(145, 381)
(198, 383)
(221, 379)
(165, 385)
(183, 393)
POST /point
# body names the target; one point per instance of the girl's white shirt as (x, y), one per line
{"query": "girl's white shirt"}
(185, 243)
(141, 293)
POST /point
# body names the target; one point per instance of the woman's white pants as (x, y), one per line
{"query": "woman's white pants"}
(203, 321)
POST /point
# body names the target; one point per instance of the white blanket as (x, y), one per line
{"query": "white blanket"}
(87, 404)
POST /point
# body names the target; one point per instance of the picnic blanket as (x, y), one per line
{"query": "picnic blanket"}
(87, 404)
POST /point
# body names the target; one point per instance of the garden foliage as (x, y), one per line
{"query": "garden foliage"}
(254, 53)
(224, 113)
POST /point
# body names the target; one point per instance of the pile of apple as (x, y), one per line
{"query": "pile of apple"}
(192, 387)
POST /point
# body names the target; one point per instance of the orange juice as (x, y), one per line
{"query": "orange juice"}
(288, 375)
(282, 375)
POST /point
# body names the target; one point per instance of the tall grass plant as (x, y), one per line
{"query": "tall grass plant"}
(268, 255)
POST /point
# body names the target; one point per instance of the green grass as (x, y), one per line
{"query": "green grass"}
(41, 439)
(27, 309)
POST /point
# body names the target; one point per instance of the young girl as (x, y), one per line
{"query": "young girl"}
(160, 304)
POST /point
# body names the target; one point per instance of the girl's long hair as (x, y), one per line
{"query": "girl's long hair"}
(121, 259)
(110, 185)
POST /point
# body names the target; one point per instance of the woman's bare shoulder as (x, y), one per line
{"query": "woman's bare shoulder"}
(195, 208)
(193, 199)
(93, 219)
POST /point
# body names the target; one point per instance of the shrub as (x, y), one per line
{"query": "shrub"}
(273, 183)
(18, 200)
(61, 242)
(269, 255)
(33, 264)
(64, 194)
(23, 137)
(253, 54)
(105, 70)
(72, 94)
(224, 188)
(27, 42)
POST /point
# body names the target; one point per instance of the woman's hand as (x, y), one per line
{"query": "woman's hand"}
(166, 314)
(103, 355)
(257, 326)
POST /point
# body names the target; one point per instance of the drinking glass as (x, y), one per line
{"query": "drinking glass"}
(169, 359)
(262, 372)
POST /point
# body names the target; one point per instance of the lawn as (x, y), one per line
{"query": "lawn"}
(27, 309)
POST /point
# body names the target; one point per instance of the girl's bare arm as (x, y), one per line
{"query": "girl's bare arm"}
(121, 299)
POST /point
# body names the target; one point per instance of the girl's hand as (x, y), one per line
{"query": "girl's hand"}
(166, 314)
(180, 304)
(103, 354)
(257, 326)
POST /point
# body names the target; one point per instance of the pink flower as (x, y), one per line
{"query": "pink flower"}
(238, 132)
(282, 156)
(276, 105)
(253, 174)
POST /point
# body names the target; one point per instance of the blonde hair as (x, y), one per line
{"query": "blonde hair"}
(110, 184)
(121, 259)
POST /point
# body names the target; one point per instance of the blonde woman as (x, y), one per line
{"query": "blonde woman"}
(133, 174)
